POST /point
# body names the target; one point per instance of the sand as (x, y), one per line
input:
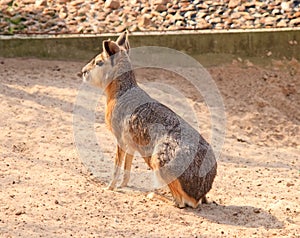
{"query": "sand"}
(47, 191)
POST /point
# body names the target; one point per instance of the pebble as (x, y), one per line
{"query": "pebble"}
(234, 3)
(42, 16)
(113, 4)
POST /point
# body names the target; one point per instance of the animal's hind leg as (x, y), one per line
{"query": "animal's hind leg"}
(117, 167)
(181, 198)
(127, 168)
(175, 190)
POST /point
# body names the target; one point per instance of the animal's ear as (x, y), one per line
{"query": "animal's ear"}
(110, 48)
(123, 40)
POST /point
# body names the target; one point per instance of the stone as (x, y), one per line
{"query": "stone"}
(112, 18)
(145, 10)
(202, 24)
(235, 15)
(177, 17)
(248, 63)
(188, 8)
(41, 3)
(286, 6)
(297, 15)
(234, 3)
(275, 11)
(269, 21)
(112, 4)
(295, 22)
(216, 20)
(76, 2)
(202, 5)
(219, 26)
(160, 8)
(190, 14)
(201, 14)
(191, 23)
(145, 20)
(282, 23)
(161, 2)
(179, 23)
(101, 16)
(62, 13)
(251, 4)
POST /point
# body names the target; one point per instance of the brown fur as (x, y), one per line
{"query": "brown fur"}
(181, 198)
(110, 102)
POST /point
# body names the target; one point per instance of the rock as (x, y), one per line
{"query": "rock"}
(275, 11)
(249, 63)
(18, 213)
(202, 24)
(251, 4)
(41, 3)
(112, 4)
(219, 26)
(297, 14)
(63, 13)
(150, 195)
(269, 21)
(295, 22)
(234, 3)
(281, 23)
(76, 2)
(202, 5)
(161, 2)
(112, 18)
(145, 10)
(286, 6)
(235, 15)
(160, 7)
(101, 16)
(190, 14)
(145, 20)
(177, 17)
(201, 14)
(256, 210)
(289, 184)
(179, 23)
(216, 20)
(191, 23)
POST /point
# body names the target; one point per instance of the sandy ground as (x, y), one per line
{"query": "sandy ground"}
(46, 191)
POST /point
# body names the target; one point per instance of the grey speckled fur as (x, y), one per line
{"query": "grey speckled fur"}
(155, 130)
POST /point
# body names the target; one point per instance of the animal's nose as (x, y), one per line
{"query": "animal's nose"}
(80, 74)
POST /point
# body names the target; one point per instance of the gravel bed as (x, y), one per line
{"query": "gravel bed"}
(99, 16)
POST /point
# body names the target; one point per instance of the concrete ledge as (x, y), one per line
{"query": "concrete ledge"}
(278, 43)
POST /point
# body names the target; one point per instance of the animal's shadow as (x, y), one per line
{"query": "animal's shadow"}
(246, 216)
(235, 215)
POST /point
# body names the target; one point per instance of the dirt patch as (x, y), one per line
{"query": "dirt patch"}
(46, 191)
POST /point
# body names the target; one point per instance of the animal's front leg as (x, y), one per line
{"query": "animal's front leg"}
(127, 168)
(117, 167)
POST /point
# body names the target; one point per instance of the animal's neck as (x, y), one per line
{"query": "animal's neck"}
(120, 85)
(116, 89)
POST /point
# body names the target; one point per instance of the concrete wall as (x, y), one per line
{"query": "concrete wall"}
(256, 43)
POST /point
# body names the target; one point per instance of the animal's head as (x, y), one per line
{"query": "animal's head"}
(109, 64)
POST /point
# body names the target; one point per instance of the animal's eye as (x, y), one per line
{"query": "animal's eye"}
(100, 63)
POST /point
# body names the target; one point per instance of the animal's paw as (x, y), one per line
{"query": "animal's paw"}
(179, 205)
(123, 184)
(110, 187)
